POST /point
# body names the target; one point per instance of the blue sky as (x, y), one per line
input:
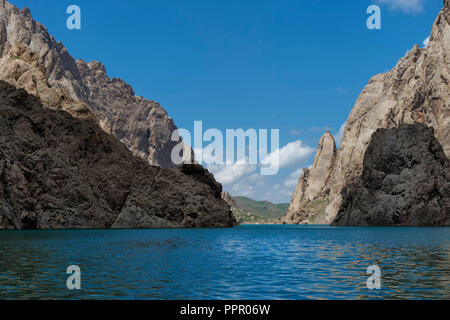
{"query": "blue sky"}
(297, 66)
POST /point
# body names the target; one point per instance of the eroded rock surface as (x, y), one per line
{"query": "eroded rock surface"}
(405, 181)
(229, 199)
(21, 67)
(417, 90)
(313, 183)
(142, 125)
(57, 171)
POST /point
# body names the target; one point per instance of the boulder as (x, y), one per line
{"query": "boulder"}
(405, 181)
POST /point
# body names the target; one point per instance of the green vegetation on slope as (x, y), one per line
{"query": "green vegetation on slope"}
(247, 217)
(264, 209)
(316, 209)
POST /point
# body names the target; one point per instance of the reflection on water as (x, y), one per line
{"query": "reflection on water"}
(249, 262)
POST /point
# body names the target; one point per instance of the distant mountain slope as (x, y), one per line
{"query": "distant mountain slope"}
(264, 209)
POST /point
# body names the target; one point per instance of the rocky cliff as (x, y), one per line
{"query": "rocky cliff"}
(415, 91)
(142, 125)
(228, 199)
(312, 189)
(58, 171)
(22, 68)
(405, 181)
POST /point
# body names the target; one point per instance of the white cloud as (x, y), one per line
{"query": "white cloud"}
(291, 154)
(252, 186)
(278, 196)
(268, 191)
(407, 6)
(292, 179)
(294, 132)
(229, 173)
(426, 42)
(341, 91)
(315, 129)
(244, 179)
(277, 189)
(242, 189)
(320, 129)
(339, 134)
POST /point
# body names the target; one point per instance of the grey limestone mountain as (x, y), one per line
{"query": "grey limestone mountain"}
(228, 199)
(311, 191)
(142, 125)
(416, 90)
(59, 169)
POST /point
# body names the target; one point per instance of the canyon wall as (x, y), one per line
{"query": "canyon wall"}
(80, 150)
(415, 91)
(405, 181)
(311, 192)
(62, 172)
(141, 124)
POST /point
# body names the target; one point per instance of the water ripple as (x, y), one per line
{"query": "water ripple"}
(249, 262)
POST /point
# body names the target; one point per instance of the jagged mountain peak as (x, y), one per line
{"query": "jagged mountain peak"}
(313, 182)
(141, 124)
(62, 172)
(327, 137)
(416, 90)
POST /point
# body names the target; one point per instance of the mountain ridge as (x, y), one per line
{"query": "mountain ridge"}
(62, 172)
(141, 124)
(416, 90)
(265, 209)
(312, 185)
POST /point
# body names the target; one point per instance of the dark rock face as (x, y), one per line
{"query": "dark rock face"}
(141, 124)
(405, 181)
(416, 90)
(57, 171)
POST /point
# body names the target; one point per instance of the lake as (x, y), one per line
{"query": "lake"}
(247, 262)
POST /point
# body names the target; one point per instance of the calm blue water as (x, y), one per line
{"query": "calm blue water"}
(248, 262)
